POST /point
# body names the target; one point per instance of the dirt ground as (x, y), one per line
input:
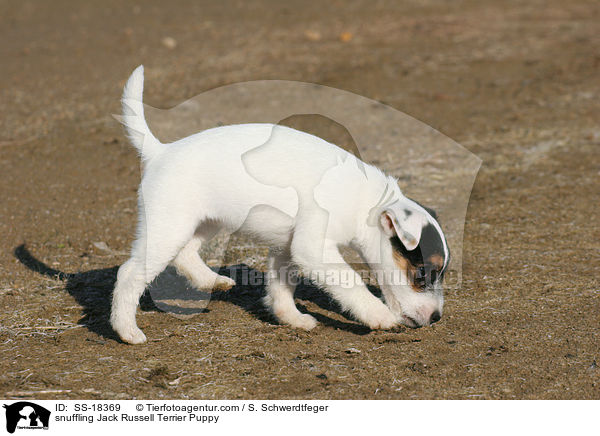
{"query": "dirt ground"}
(517, 83)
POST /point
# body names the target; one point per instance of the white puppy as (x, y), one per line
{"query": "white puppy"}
(304, 197)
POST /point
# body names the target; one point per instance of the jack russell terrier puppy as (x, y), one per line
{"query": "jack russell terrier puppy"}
(304, 197)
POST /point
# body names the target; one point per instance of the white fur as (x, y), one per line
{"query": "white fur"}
(299, 194)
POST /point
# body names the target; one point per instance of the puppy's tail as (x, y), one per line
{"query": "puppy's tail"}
(133, 117)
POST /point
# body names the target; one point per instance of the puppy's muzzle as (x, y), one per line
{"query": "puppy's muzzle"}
(414, 324)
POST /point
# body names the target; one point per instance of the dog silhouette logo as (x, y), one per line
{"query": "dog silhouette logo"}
(26, 415)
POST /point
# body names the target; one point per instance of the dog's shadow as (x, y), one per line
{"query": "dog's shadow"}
(93, 291)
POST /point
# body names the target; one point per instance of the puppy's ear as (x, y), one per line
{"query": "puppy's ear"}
(405, 223)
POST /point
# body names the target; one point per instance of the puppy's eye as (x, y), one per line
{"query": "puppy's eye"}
(420, 277)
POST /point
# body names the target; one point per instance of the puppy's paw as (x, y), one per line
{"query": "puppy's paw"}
(129, 333)
(304, 321)
(223, 283)
(295, 319)
(380, 317)
(134, 336)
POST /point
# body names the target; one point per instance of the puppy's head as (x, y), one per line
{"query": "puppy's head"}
(416, 248)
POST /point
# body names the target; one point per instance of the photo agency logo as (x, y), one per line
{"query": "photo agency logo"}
(25, 415)
(315, 162)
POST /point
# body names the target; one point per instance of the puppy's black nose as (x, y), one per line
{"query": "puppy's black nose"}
(435, 317)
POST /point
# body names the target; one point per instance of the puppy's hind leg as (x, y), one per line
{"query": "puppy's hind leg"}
(130, 285)
(155, 247)
(280, 293)
(189, 264)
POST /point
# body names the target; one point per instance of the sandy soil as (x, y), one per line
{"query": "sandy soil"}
(516, 83)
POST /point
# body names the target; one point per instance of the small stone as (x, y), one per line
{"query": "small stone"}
(169, 42)
(312, 35)
(101, 246)
(345, 36)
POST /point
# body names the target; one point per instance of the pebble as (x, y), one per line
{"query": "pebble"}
(312, 35)
(169, 42)
(101, 246)
(345, 36)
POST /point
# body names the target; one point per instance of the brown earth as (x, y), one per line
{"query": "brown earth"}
(517, 83)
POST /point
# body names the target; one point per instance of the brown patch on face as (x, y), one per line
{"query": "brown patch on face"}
(437, 261)
(408, 268)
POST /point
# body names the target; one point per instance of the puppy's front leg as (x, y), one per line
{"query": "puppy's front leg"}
(280, 293)
(339, 280)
